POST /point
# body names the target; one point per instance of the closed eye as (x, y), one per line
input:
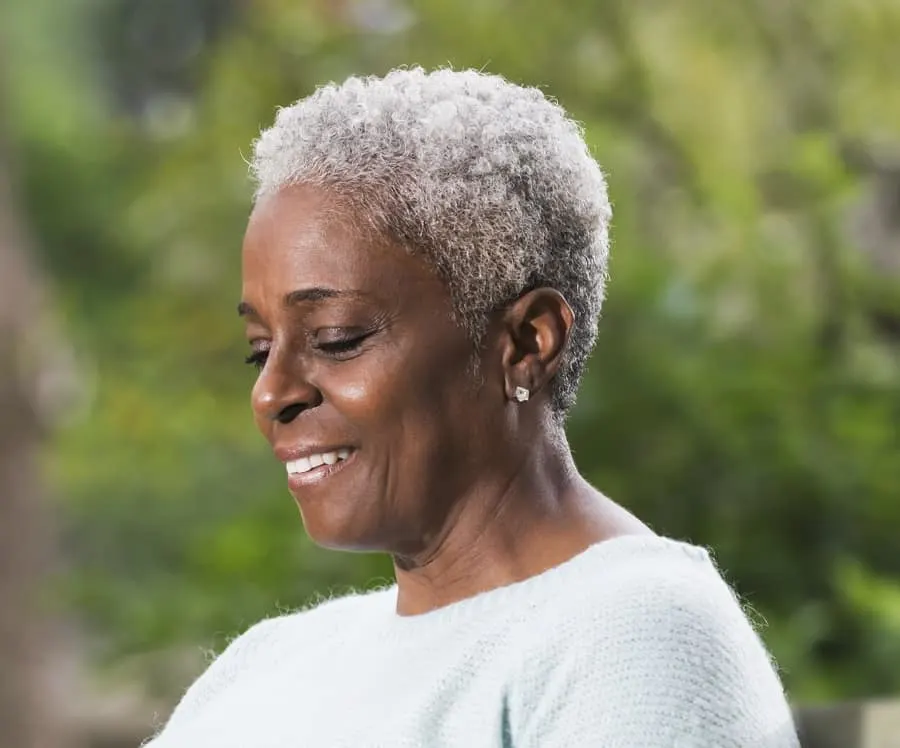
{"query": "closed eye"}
(343, 347)
(340, 348)
(257, 358)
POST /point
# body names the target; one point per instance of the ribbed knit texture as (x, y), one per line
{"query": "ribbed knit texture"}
(635, 643)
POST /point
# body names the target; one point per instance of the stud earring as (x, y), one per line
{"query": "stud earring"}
(522, 394)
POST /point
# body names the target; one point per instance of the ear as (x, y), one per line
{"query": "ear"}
(536, 329)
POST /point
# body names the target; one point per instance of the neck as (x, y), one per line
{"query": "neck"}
(535, 516)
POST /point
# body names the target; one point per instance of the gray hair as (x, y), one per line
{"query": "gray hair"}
(491, 183)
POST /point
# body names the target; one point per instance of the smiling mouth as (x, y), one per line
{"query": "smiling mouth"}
(304, 465)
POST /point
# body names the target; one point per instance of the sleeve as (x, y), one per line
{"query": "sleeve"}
(243, 651)
(669, 660)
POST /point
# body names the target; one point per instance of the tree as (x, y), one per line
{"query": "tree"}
(745, 393)
(32, 710)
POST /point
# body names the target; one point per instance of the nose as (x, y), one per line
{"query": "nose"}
(282, 393)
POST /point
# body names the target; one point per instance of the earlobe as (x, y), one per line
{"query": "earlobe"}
(538, 325)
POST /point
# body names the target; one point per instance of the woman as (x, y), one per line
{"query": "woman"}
(423, 272)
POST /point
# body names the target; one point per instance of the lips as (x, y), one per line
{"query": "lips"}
(308, 466)
(312, 461)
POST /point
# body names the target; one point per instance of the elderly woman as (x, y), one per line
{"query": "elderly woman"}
(423, 273)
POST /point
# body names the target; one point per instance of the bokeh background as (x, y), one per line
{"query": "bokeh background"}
(744, 394)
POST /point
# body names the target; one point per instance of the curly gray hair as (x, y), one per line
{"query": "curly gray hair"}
(490, 182)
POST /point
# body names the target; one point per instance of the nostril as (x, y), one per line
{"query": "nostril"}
(290, 412)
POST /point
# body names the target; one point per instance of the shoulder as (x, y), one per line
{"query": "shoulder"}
(671, 611)
(269, 637)
(646, 581)
(651, 583)
(266, 642)
(658, 584)
(656, 643)
(645, 597)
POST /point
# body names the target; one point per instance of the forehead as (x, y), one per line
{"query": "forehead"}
(301, 237)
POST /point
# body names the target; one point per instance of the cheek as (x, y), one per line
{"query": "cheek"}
(357, 392)
(406, 387)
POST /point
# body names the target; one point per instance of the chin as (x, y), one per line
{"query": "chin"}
(338, 533)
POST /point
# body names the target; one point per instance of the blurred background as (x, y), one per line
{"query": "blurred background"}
(744, 394)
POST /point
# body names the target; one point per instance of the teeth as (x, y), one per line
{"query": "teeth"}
(305, 464)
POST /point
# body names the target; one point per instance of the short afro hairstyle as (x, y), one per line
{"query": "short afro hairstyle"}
(491, 183)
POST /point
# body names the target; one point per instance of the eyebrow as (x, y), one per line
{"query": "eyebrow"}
(301, 295)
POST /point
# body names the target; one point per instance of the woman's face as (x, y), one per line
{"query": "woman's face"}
(365, 389)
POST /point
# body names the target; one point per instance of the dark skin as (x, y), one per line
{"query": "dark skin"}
(465, 487)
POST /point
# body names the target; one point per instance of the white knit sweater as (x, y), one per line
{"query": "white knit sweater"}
(635, 643)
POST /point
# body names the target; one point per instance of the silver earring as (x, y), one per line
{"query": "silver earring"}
(522, 394)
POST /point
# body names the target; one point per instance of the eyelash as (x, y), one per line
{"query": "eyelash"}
(334, 349)
(257, 358)
(338, 347)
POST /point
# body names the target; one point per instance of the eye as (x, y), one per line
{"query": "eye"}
(340, 344)
(258, 357)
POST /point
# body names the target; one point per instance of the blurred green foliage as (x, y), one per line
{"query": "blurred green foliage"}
(745, 392)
